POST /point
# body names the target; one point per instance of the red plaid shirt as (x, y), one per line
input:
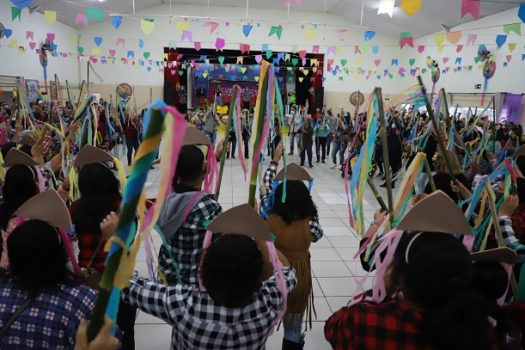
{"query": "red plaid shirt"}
(390, 325)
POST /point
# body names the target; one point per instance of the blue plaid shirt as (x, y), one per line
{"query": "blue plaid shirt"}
(50, 321)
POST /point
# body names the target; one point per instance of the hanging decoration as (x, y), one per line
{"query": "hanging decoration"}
(386, 7)
(42, 56)
(489, 68)
(435, 74)
(411, 7)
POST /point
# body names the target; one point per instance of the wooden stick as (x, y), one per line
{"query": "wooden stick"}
(494, 123)
(226, 139)
(80, 93)
(261, 111)
(379, 199)
(429, 174)
(499, 236)
(386, 159)
(441, 146)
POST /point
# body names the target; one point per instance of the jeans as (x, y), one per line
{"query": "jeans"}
(304, 152)
(131, 145)
(328, 144)
(339, 147)
(233, 144)
(292, 142)
(293, 326)
(321, 144)
(212, 136)
(246, 141)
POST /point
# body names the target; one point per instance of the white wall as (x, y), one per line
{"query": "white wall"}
(27, 64)
(506, 79)
(292, 35)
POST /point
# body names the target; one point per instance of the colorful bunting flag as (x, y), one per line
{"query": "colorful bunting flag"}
(454, 37)
(212, 25)
(121, 42)
(512, 47)
(369, 35)
(246, 29)
(470, 6)
(197, 45)
(513, 27)
(186, 35)
(147, 25)
(15, 12)
(219, 44)
(30, 35)
(97, 40)
(411, 7)
(500, 40)
(521, 12)
(277, 30)
(50, 16)
(94, 13)
(472, 39)
(244, 48)
(310, 34)
(406, 39)
(116, 21)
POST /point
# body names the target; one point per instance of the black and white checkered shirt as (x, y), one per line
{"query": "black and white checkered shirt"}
(509, 236)
(200, 324)
(186, 245)
(269, 175)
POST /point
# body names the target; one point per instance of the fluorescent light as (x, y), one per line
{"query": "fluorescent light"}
(386, 7)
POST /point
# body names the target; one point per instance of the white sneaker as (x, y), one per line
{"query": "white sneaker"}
(333, 166)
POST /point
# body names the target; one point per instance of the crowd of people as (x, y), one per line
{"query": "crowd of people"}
(228, 289)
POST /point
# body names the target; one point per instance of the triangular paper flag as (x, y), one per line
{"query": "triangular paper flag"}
(369, 35)
(197, 45)
(15, 13)
(454, 37)
(310, 34)
(411, 7)
(246, 29)
(513, 27)
(277, 30)
(221, 59)
(472, 39)
(116, 21)
(186, 35)
(30, 35)
(50, 16)
(147, 26)
(521, 12)
(81, 19)
(244, 48)
(421, 48)
(94, 13)
(512, 47)
(470, 6)
(406, 39)
(212, 25)
(500, 40)
(97, 40)
(219, 44)
(182, 26)
(459, 48)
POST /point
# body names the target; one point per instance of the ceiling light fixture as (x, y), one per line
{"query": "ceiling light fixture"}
(386, 7)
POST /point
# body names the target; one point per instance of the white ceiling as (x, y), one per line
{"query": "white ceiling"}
(427, 21)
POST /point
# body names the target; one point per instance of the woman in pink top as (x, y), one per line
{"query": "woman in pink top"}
(19, 186)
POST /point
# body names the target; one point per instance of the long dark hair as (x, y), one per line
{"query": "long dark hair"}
(37, 258)
(435, 279)
(299, 204)
(19, 186)
(99, 195)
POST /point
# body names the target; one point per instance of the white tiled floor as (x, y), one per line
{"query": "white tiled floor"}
(336, 273)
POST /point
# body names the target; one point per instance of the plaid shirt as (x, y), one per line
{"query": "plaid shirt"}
(518, 221)
(269, 175)
(390, 325)
(186, 246)
(200, 324)
(50, 321)
(509, 236)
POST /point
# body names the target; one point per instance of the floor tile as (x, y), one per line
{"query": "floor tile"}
(337, 286)
(324, 254)
(330, 269)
